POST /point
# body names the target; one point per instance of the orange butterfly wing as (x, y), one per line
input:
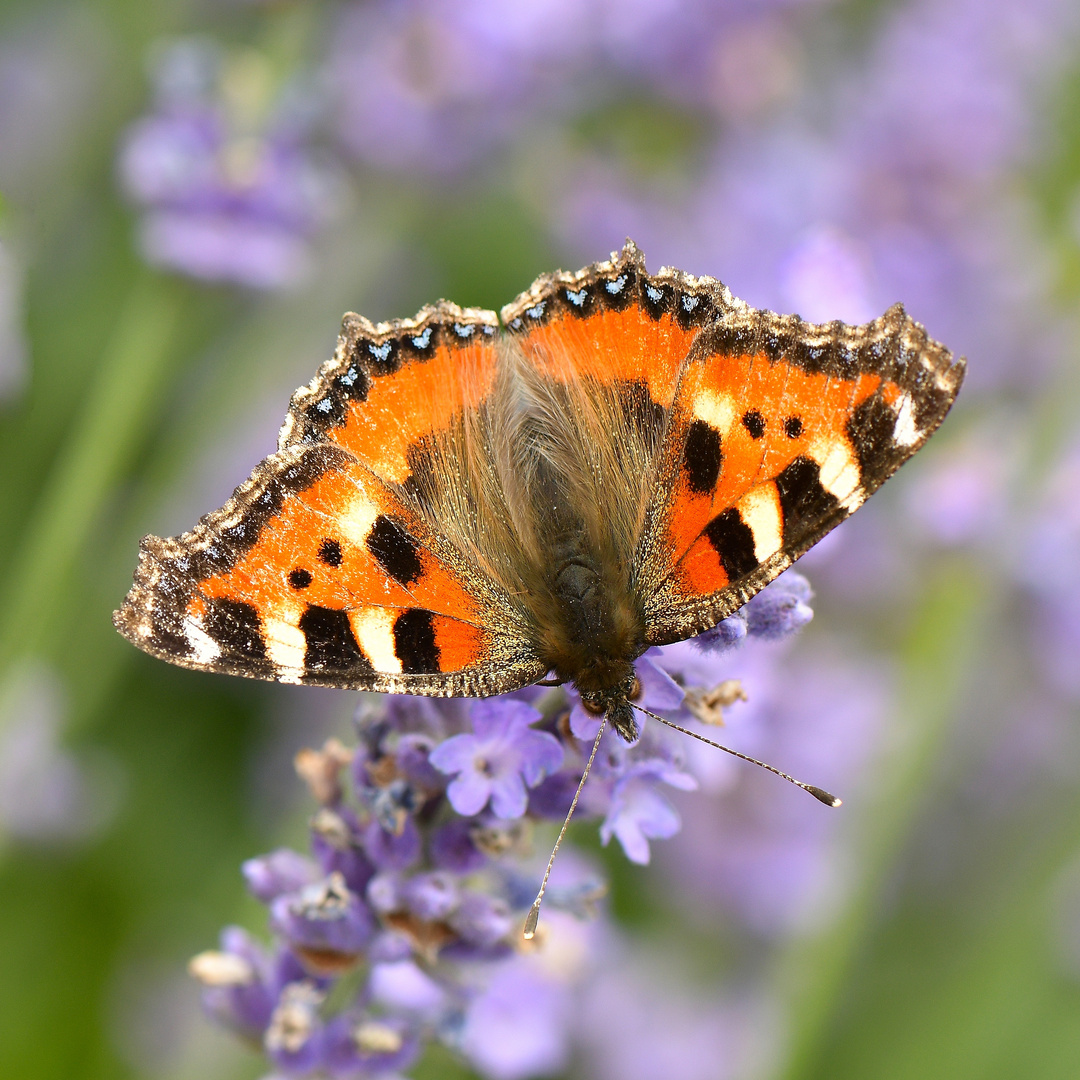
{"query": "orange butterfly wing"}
(779, 430)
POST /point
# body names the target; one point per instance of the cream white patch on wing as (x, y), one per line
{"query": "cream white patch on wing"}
(374, 630)
(204, 649)
(839, 470)
(356, 519)
(906, 432)
(761, 513)
(286, 646)
(717, 410)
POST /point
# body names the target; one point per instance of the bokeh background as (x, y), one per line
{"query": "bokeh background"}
(192, 194)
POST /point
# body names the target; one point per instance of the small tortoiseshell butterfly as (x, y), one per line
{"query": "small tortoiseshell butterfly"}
(462, 508)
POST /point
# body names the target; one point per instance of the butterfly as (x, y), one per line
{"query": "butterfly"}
(462, 506)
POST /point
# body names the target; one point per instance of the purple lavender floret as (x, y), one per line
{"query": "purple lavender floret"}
(337, 845)
(239, 988)
(389, 850)
(727, 634)
(452, 847)
(639, 812)
(281, 871)
(780, 610)
(324, 918)
(496, 762)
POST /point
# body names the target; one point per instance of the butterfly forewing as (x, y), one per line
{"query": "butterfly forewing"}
(780, 429)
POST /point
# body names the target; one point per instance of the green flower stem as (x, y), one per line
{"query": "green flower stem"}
(939, 650)
(121, 404)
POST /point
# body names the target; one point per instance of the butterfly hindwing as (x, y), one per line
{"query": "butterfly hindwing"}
(779, 430)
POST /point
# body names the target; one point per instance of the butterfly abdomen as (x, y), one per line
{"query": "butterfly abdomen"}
(590, 627)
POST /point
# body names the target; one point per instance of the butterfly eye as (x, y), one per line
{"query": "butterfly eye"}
(594, 708)
(634, 693)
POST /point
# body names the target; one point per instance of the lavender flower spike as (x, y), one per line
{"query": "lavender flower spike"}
(497, 760)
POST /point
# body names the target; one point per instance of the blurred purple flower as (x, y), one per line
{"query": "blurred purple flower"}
(498, 759)
(482, 920)
(771, 864)
(326, 922)
(229, 189)
(431, 896)
(960, 495)
(517, 1026)
(430, 86)
(1048, 564)
(282, 871)
(452, 848)
(293, 1039)
(360, 1045)
(242, 983)
(780, 610)
(729, 633)
(639, 813)
(390, 851)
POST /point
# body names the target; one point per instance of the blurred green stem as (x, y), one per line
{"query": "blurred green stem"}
(936, 659)
(119, 407)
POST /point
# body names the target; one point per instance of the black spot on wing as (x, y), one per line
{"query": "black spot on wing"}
(733, 541)
(330, 553)
(331, 644)
(414, 642)
(378, 357)
(235, 625)
(619, 291)
(793, 427)
(803, 500)
(657, 299)
(693, 309)
(702, 457)
(395, 550)
(300, 578)
(754, 423)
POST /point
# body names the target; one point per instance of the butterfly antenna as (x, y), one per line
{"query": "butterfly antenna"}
(819, 793)
(534, 912)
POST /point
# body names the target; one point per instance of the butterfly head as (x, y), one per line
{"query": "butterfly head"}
(615, 704)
